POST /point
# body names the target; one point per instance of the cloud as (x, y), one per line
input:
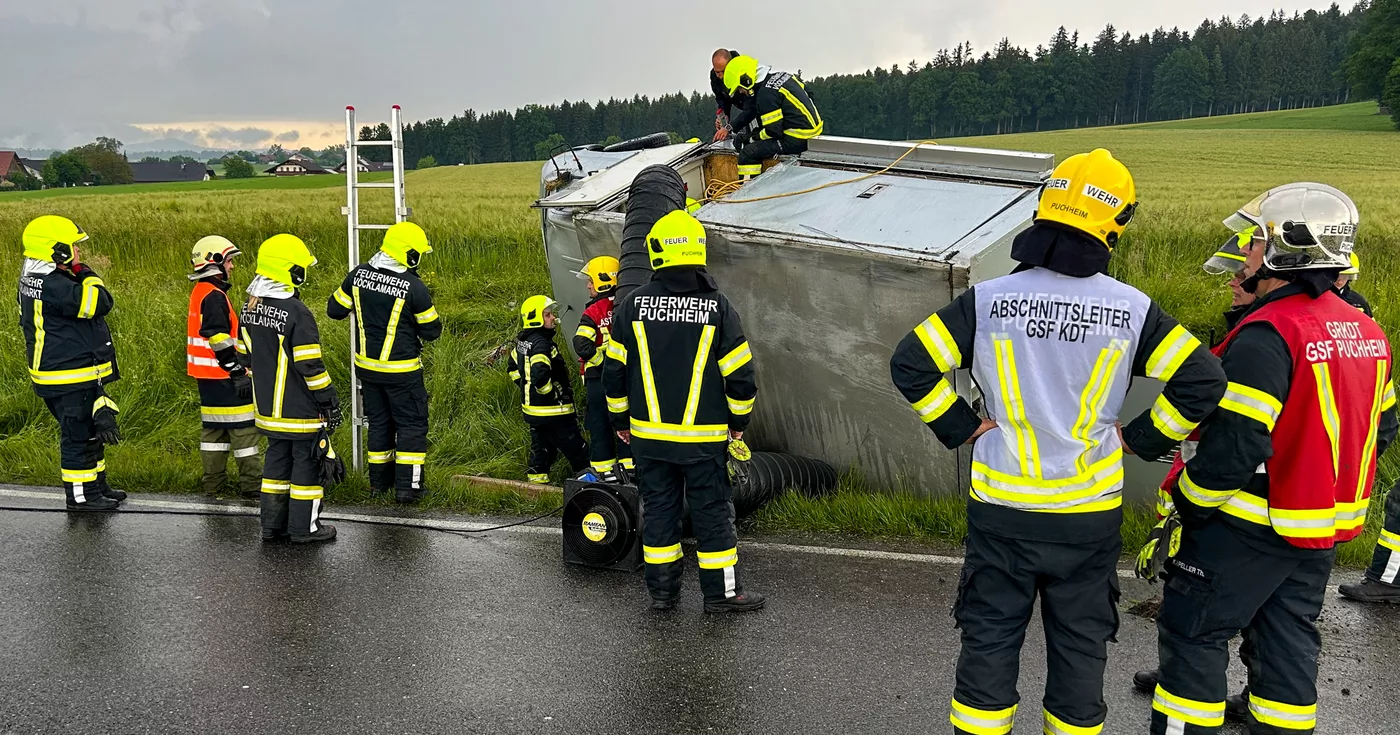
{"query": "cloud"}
(291, 136)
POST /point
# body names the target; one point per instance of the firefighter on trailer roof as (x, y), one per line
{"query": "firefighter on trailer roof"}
(590, 344)
(63, 307)
(546, 391)
(787, 117)
(1054, 346)
(293, 396)
(1282, 473)
(394, 316)
(218, 361)
(680, 386)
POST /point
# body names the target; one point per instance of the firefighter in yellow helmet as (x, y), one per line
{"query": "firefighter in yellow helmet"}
(1054, 346)
(546, 388)
(787, 117)
(293, 396)
(218, 361)
(590, 344)
(394, 315)
(1344, 289)
(63, 307)
(680, 385)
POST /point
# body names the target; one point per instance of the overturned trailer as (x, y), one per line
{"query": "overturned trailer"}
(831, 258)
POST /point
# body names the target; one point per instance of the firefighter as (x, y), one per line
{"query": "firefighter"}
(1344, 289)
(727, 107)
(1381, 582)
(546, 391)
(786, 116)
(680, 386)
(216, 359)
(590, 344)
(63, 307)
(394, 316)
(292, 392)
(1281, 474)
(1054, 346)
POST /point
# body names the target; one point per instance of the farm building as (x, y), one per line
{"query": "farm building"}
(10, 164)
(297, 165)
(365, 167)
(165, 173)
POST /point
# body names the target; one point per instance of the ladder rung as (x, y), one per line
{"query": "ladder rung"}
(375, 185)
(359, 143)
(372, 227)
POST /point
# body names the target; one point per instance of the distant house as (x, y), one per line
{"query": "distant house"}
(297, 165)
(34, 166)
(366, 167)
(10, 164)
(167, 173)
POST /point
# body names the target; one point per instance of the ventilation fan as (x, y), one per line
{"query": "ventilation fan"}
(602, 525)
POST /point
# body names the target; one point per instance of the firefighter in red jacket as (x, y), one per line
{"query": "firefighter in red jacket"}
(217, 359)
(1281, 474)
(590, 344)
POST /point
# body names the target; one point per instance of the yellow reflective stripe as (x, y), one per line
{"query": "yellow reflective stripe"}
(618, 405)
(737, 358)
(70, 377)
(343, 298)
(563, 410)
(1252, 403)
(1165, 503)
(276, 487)
(1389, 540)
(595, 360)
(280, 392)
(1028, 447)
(79, 475)
(318, 381)
(740, 407)
(1285, 716)
(1388, 398)
(1171, 353)
(219, 341)
(982, 721)
(617, 351)
(939, 344)
(1092, 399)
(718, 559)
(306, 352)
(1351, 516)
(1231, 256)
(427, 316)
(411, 458)
(750, 169)
(307, 492)
(1057, 726)
(388, 366)
(697, 375)
(105, 402)
(293, 426)
(771, 117)
(226, 414)
(1368, 450)
(661, 554)
(763, 134)
(392, 331)
(538, 478)
(1327, 402)
(87, 308)
(648, 380)
(386, 457)
(38, 337)
(678, 433)
(814, 123)
(1247, 507)
(1201, 714)
(603, 466)
(1169, 420)
(586, 332)
(360, 347)
(1100, 488)
(1201, 496)
(540, 360)
(932, 406)
(514, 375)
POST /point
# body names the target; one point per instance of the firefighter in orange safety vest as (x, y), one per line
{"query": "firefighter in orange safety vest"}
(606, 453)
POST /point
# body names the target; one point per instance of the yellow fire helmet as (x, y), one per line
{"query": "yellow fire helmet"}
(285, 259)
(676, 239)
(602, 271)
(1355, 270)
(407, 243)
(692, 206)
(212, 251)
(741, 73)
(1091, 192)
(51, 238)
(533, 310)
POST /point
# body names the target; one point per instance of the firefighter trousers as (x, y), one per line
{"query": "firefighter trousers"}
(216, 444)
(80, 455)
(664, 488)
(1218, 585)
(291, 488)
(398, 432)
(548, 438)
(1385, 563)
(1078, 589)
(604, 448)
(752, 156)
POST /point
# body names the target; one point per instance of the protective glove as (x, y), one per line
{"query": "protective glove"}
(741, 139)
(1162, 544)
(104, 419)
(329, 403)
(243, 385)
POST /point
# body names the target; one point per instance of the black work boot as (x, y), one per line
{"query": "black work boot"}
(1146, 681)
(375, 492)
(110, 492)
(405, 497)
(742, 602)
(663, 604)
(273, 514)
(1369, 590)
(93, 503)
(326, 532)
(1237, 706)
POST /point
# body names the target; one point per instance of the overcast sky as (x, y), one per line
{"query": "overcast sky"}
(246, 73)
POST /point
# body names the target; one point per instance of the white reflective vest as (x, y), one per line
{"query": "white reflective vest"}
(1053, 356)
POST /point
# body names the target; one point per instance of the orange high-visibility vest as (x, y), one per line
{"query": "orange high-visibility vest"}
(199, 356)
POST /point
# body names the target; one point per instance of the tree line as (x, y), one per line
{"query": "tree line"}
(1224, 66)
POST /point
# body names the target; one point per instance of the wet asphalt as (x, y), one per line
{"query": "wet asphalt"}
(186, 624)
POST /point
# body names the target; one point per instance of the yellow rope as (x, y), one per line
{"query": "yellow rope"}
(720, 191)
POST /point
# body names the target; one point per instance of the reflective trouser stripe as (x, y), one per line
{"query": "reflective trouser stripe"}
(1286, 716)
(661, 554)
(411, 458)
(1201, 714)
(750, 169)
(276, 487)
(381, 457)
(1391, 543)
(1057, 726)
(245, 452)
(718, 559)
(563, 410)
(73, 476)
(981, 721)
(307, 492)
(215, 446)
(537, 478)
(604, 465)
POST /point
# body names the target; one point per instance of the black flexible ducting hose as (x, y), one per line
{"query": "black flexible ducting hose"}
(770, 473)
(655, 192)
(646, 142)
